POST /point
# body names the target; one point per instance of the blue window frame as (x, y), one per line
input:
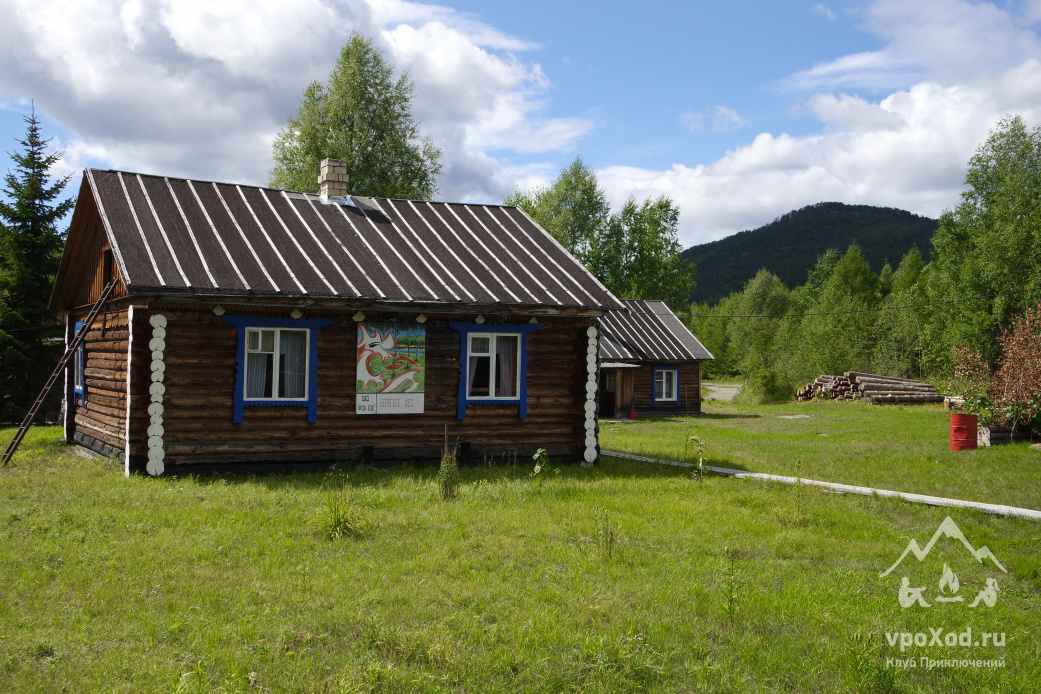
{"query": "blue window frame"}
(277, 363)
(79, 385)
(493, 365)
(665, 386)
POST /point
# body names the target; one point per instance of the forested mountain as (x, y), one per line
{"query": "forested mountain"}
(789, 245)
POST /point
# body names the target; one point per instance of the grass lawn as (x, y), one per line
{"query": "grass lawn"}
(621, 578)
(898, 447)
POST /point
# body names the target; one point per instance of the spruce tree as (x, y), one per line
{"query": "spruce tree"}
(30, 250)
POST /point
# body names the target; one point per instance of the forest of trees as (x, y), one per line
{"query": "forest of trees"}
(790, 245)
(904, 321)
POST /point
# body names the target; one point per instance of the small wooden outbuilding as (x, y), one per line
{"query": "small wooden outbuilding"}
(650, 362)
(256, 329)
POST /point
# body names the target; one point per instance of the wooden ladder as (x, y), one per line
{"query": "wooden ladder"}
(69, 351)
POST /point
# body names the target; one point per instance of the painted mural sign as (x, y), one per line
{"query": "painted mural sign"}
(391, 368)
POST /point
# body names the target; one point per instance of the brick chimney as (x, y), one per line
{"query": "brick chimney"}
(332, 180)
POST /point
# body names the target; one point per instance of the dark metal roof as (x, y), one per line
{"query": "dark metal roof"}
(173, 236)
(647, 331)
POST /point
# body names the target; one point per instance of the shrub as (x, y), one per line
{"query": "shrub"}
(970, 377)
(1015, 391)
(1010, 397)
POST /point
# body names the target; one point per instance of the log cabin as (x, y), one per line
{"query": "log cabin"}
(650, 363)
(252, 329)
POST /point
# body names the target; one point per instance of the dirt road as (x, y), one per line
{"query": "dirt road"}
(721, 391)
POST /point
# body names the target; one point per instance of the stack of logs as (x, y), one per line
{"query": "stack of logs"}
(853, 385)
(831, 387)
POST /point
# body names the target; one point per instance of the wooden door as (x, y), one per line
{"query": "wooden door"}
(624, 393)
(608, 387)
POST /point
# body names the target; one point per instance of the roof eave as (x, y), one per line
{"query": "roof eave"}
(167, 293)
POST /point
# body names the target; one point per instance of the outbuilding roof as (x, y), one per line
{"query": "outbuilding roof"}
(647, 331)
(171, 236)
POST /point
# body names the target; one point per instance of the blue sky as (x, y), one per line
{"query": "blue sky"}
(634, 74)
(739, 111)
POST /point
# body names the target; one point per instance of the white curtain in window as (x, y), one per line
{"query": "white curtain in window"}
(292, 347)
(258, 375)
(472, 370)
(665, 385)
(506, 365)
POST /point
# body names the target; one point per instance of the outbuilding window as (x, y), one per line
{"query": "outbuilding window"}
(493, 362)
(277, 363)
(666, 385)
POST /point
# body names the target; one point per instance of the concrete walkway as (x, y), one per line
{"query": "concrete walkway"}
(996, 509)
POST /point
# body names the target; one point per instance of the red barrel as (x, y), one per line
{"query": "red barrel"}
(632, 414)
(963, 432)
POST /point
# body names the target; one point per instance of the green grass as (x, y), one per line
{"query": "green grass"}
(610, 579)
(898, 447)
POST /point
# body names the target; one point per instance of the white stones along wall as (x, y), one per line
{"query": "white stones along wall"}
(591, 452)
(156, 390)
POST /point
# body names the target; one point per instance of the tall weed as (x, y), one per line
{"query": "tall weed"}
(448, 476)
(338, 516)
(607, 534)
(695, 449)
(729, 588)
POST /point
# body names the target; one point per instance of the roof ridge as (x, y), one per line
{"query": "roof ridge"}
(290, 190)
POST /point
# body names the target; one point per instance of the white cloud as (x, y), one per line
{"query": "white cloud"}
(532, 177)
(200, 88)
(1031, 11)
(874, 70)
(723, 119)
(907, 151)
(951, 69)
(473, 101)
(692, 120)
(823, 10)
(913, 161)
(960, 41)
(852, 113)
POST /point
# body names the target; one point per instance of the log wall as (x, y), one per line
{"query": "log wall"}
(689, 401)
(200, 381)
(99, 421)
